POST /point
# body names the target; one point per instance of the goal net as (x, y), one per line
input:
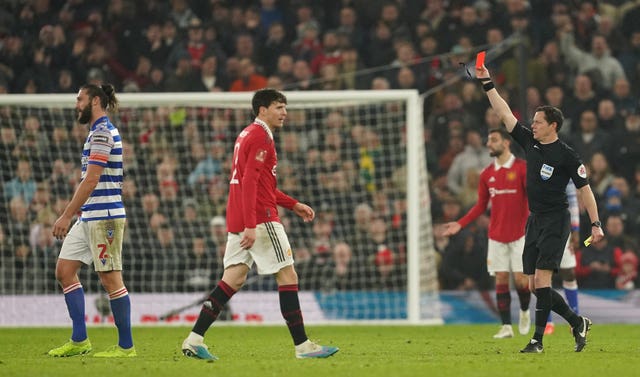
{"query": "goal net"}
(357, 157)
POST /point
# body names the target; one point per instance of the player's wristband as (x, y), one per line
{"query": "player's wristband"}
(487, 86)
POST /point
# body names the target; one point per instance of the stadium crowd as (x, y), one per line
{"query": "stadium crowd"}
(584, 59)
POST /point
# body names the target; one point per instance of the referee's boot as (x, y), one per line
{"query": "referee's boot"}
(532, 347)
(580, 333)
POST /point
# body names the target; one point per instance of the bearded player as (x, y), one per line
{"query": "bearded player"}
(503, 185)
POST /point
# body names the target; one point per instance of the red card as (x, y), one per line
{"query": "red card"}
(480, 59)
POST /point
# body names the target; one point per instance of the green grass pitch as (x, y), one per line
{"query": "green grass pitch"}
(258, 351)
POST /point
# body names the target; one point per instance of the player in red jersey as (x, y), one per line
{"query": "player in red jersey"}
(504, 184)
(255, 234)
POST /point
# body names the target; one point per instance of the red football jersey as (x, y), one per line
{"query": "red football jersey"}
(505, 187)
(253, 195)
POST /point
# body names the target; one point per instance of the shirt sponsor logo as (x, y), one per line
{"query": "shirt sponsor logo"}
(582, 171)
(100, 139)
(493, 191)
(546, 172)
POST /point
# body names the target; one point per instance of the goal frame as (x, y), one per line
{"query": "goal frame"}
(414, 144)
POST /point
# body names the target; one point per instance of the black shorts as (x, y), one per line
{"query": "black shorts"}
(545, 241)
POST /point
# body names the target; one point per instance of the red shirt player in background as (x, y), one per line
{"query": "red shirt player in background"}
(255, 233)
(504, 184)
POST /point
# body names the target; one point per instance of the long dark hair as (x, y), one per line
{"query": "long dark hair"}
(105, 92)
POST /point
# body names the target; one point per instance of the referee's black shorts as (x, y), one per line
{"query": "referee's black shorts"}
(545, 241)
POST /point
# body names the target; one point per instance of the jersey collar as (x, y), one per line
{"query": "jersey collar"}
(100, 120)
(266, 128)
(506, 165)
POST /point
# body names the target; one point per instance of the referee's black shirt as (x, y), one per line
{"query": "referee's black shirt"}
(549, 168)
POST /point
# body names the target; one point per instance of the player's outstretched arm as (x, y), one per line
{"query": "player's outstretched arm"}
(497, 103)
(304, 211)
(451, 228)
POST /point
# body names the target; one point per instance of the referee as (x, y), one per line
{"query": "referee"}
(550, 165)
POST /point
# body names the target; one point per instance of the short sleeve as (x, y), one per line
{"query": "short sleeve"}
(100, 145)
(522, 136)
(576, 168)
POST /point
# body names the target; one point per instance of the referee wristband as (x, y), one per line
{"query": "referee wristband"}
(487, 86)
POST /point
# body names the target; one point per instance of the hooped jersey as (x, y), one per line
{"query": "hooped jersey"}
(103, 147)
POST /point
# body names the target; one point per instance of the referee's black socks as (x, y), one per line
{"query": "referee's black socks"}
(543, 308)
(560, 306)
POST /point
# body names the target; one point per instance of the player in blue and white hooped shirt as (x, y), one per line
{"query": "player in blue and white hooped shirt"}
(96, 237)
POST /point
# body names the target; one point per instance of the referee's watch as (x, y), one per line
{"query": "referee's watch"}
(596, 223)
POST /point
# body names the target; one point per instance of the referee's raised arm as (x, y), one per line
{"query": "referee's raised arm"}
(497, 102)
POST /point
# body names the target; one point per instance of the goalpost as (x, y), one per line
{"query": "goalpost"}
(357, 157)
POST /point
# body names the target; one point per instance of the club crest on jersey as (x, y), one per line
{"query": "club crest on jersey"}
(110, 230)
(511, 176)
(582, 171)
(546, 172)
(260, 156)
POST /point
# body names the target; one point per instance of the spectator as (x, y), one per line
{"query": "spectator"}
(630, 58)
(590, 138)
(582, 98)
(380, 50)
(216, 238)
(19, 224)
(303, 77)
(474, 156)
(330, 53)
(153, 45)
(624, 101)
(599, 61)
(190, 226)
(284, 69)
(628, 145)
(164, 262)
(61, 146)
(608, 118)
(350, 70)
(8, 144)
(22, 184)
(181, 13)
(349, 27)
(201, 266)
(464, 267)
(208, 168)
(600, 175)
(249, 80)
(626, 279)
(274, 47)
(183, 78)
(597, 266)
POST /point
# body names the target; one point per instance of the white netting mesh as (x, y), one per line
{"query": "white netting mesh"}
(346, 157)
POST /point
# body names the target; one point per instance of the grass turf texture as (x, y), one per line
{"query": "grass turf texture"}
(453, 350)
